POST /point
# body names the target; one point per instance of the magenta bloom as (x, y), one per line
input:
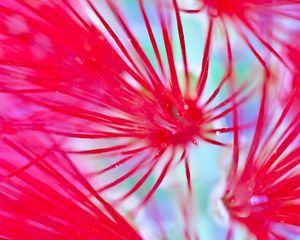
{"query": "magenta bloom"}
(47, 199)
(263, 190)
(261, 25)
(140, 115)
(42, 193)
(97, 111)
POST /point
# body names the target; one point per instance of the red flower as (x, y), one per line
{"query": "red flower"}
(241, 7)
(293, 54)
(288, 82)
(140, 115)
(261, 24)
(43, 195)
(264, 194)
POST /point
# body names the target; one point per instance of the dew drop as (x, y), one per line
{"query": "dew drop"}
(35, 3)
(87, 47)
(218, 133)
(255, 200)
(79, 60)
(16, 24)
(41, 46)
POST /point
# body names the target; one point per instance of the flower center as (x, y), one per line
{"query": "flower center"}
(180, 125)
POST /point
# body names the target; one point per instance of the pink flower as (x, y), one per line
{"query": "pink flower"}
(241, 7)
(42, 193)
(87, 109)
(47, 201)
(263, 189)
(293, 54)
(140, 115)
(261, 24)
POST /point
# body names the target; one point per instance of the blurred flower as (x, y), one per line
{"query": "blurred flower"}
(262, 25)
(293, 55)
(47, 201)
(103, 103)
(140, 114)
(42, 193)
(263, 189)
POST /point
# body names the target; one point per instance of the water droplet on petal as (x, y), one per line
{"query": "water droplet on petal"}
(87, 47)
(255, 200)
(79, 60)
(16, 24)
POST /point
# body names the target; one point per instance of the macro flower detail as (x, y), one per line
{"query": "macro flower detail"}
(264, 194)
(254, 21)
(42, 193)
(293, 55)
(145, 111)
(121, 119)
(46, 201)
